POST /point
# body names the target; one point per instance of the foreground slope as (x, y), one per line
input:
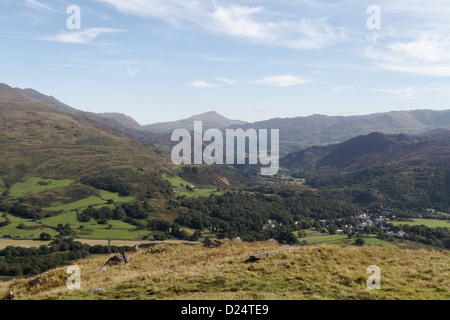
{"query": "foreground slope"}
(176, 271)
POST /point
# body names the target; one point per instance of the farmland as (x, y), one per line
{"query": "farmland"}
(343, 240)
(431, 223)
(185, 188)
(65, 213)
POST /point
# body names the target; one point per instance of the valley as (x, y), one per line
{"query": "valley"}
(76, 187)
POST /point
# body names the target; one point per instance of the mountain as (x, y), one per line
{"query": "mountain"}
(38, 140)
(318, 130)
(375, 149)
(117, 120)
(210, 120)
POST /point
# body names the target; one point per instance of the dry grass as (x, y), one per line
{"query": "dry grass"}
(22, 243)
(310, 272)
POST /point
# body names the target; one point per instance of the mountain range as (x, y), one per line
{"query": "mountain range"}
(313, 141)
(295, 133)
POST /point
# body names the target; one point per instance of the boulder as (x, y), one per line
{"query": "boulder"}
(211, 243)
(261, 256)
(118, 258)
(35, 282)
(237, 239)
(102, 269)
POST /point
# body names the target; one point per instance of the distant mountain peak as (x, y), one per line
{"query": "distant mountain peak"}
(210, 119)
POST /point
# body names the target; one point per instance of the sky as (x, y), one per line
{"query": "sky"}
(164, 60)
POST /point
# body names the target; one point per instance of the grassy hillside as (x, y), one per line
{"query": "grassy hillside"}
(297, 272)
(38, 141)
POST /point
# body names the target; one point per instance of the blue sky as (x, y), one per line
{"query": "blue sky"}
(163, 60)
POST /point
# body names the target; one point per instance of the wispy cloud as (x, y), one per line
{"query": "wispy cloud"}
(81, 37)
(220, 82)
(37, 5)
(226, 81)
(413, 93)
(341, 88)
(405, 93)
(133, 71)
(282, 81)
(256, 24)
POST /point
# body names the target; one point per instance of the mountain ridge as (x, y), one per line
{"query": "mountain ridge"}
(374, 149)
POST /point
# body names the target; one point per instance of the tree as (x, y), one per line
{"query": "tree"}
(359, 241)
(332, 230)
(44, 236)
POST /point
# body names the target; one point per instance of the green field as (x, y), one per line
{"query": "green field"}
(431, 223)
(91, 230)
(115, 197)
(342, 239)
(31, 230)
(94, 201)
(35, 185)
(178, 182)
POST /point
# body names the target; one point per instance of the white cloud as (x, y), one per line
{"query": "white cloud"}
(282, 81)
(254, 24)
(426, 54)
(205, 84)
(82, 37)
(202, 84)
